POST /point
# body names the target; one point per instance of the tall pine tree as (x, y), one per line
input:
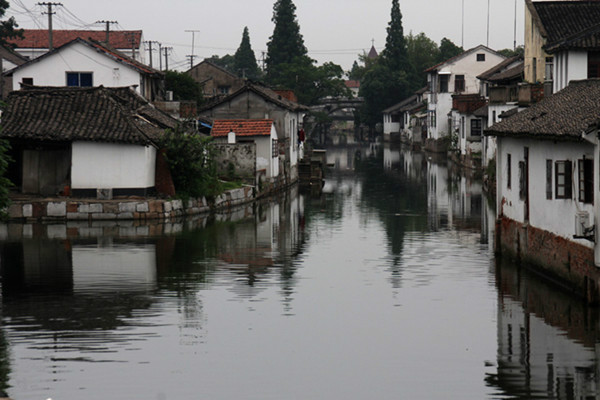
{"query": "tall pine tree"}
(395, 54)
(244, 59)
(286, 45)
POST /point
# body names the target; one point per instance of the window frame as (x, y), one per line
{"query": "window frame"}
(585, 175)
(459, 83)
(480, 57)
(563, 190)
(508, 171)
(476, 121)
(78, 75)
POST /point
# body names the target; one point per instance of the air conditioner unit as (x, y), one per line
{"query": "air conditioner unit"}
(582, 224)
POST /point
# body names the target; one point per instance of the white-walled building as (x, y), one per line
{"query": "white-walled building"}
(86, 63)
(86, 142)
(260, 131)
(547, 185)
(457, 75)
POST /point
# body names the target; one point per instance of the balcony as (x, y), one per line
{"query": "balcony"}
(503, 94)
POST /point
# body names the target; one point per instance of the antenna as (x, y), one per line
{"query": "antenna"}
(515, 42)
(488, 25)
(462, 40)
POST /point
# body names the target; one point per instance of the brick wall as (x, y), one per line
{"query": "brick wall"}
(567, 263)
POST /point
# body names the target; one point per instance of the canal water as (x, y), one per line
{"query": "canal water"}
(383, 287)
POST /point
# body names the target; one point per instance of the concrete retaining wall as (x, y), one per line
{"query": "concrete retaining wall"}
(146, 209)
(569, 264)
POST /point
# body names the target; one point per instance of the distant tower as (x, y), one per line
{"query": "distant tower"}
(373, 53)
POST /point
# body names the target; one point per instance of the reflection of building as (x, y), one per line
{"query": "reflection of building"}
(546, 341)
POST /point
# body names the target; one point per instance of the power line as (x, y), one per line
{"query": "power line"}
(50, 13)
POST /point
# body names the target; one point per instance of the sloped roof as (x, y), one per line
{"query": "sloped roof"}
(563, 19)
(352, 84)
(564, 115)
(12, 56)
(264, 92)
(242, 127)
(502, 66)
(373, 53)
(589, 39)
(114, 54)
(207, 61)
(38, 38)
(399, 107)
(99, 114)
(462, 55)
(512, 74)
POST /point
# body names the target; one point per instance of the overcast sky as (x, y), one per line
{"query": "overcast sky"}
(333, 30)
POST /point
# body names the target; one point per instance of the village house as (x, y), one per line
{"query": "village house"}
(215, 81)
(547, 205)
(353, 86)
(500, 85)
(551, 27)
(87, 63)
(457, 75)
(36, 42)
(62, 144)
(262, 158)
(470, 110)
(406, 121)
(254, 101)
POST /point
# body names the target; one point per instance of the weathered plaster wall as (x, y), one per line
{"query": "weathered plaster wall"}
(110, 166)
(242, 156)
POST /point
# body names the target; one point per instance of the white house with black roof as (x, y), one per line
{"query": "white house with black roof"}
(547, 186)
(90, 142)
(88, 63)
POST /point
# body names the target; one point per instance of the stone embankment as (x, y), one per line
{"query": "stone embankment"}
(71, 209)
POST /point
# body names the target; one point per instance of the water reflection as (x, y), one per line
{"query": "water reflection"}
(383, 287)
(547, 340)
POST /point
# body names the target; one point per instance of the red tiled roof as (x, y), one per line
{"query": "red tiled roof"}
(38, 38)
(242, 127)
(350, 84)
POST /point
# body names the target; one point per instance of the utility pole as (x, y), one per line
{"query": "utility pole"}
(150, 43)
(192, 56)
(107, 28)
(167, 50)
(50, 13)
(132, 41)
(159, 55)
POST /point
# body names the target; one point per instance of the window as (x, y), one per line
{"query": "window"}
(481, 57)
(476, 127)
(549, 179)
(522, 180)
(223, 89)
(508, 171)
(27, 81)
(534, 66)
(462, 127)
(585, 170)
(274, 148)
(459, 83)
(563, 179)
(494, 117)
(593, 64)
(549, 68)
(443, 83)
(79, 79)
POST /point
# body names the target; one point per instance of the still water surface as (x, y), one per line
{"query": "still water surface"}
(383, 287)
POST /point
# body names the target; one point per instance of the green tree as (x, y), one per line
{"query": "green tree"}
(183, 86)
(227, 62)
(389, 80)
(519, 51)
(8, 28)
(191, 163)
(448, 50)
(286, 45)
(422, 54)
(245, 60)
(395, 54)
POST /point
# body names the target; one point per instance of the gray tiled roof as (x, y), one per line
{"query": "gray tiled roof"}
(562, 116)
(563, 19)
(99, 114)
